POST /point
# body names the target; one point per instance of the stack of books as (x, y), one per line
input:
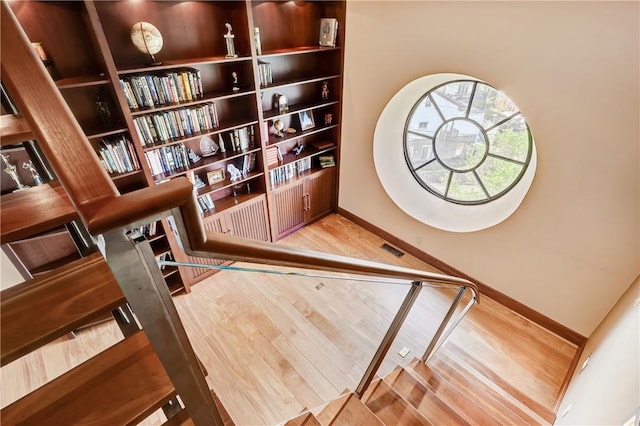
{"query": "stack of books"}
(327, 161)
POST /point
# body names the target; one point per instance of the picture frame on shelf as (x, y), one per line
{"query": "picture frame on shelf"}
(215, 176)
(328, 32)
(306, 120)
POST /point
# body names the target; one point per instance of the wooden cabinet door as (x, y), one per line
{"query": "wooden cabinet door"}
(319, 193)
(288, 209)
(249, 220)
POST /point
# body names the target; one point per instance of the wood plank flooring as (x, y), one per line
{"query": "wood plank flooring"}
(276, 345)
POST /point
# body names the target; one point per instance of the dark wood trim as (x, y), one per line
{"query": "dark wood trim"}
(527, 312)
(569, 376)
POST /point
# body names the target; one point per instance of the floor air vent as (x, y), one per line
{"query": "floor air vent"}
(394, 251)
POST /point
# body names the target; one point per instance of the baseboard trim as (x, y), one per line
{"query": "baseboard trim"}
(527, 312)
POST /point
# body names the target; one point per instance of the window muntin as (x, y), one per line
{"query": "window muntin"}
(466, 142)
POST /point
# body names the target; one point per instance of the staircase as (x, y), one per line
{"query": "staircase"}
(121, 385)
(418, 395)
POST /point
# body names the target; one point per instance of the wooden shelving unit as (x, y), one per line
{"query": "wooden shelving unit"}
(92, 57)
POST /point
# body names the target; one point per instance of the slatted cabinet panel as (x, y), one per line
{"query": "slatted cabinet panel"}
(247, 219)
(288, 209)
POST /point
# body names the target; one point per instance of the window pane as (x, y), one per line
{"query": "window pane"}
(497, 175)
(510, 139)
(434, 176)
(419, 150)
(425, 118)
(465, 187)
(490, 106)
(453, 98)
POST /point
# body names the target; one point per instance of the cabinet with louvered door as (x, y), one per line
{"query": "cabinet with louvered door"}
(247, 219)
(288, 212)
(320, 194)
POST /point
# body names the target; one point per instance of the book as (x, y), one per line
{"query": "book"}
(322, 144)
(328, 32)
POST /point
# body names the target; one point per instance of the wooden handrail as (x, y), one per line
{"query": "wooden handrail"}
(102, 208)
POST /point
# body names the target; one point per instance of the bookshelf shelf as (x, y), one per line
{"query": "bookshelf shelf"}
(177, 63)
(307, 153)
(225, 184)
(277, 140)
(295, 51)
(82, 81)
(298, 81)
(293, 109)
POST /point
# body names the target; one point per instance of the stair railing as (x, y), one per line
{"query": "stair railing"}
(114, 217)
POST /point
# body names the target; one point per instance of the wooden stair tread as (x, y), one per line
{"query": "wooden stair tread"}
(34, 210)
(391, 408)
(348, 410)
(306, 419)
(14, 129)
(183, 418)
(484, 397)
(527, 407)
(53, 304)
(122, 385)
(429, 402)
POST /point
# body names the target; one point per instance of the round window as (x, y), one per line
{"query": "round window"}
(466, 142)
(453, 152)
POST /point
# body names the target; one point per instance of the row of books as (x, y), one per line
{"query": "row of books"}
(164, 126)
(288, 171)
(149, 90)
(149, 230)
(240, 139)
(264, 74)
(205, 204)
(167, 160)
(117, 155)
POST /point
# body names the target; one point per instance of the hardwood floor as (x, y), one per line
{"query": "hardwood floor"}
(274, 345)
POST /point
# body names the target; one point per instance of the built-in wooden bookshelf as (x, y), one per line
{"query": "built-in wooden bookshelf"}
(137, 116)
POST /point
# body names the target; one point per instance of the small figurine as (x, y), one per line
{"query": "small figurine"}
(193, 157)
(325, 90)
(328, 118)
(234, 173)
(11, 170)
(228, 38)
(102, 107)
(298, 148)
(198, 182)
(37, 180)
(234, 76)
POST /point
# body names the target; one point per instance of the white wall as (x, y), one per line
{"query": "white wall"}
(572, 68)
(607, 391)
(9, 275)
